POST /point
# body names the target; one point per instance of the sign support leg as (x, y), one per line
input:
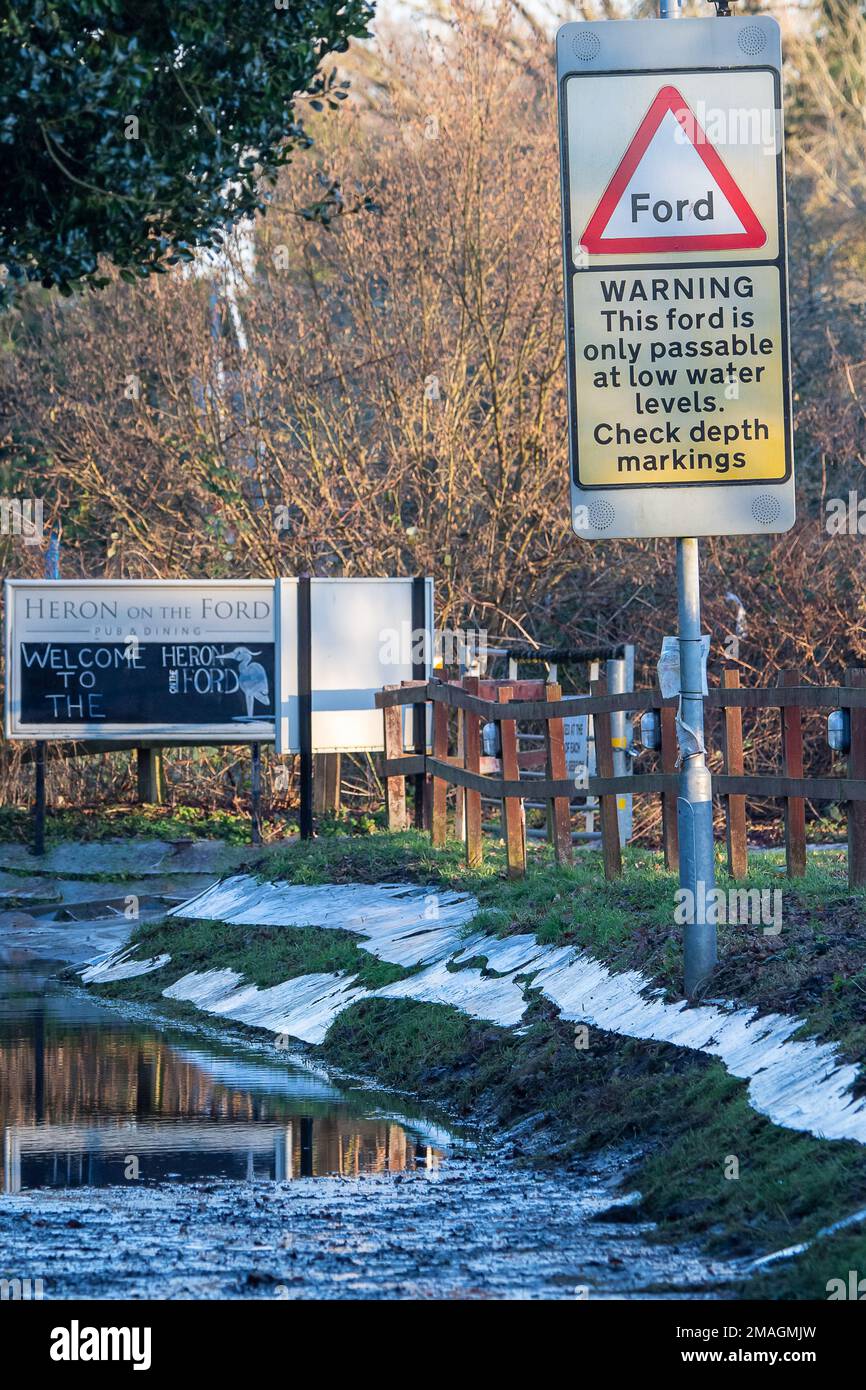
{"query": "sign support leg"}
(149, 775)
(39, 804)
(695, 799)
(305, 703)
(256, 792)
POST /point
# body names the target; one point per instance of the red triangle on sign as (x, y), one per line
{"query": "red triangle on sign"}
(739, 226)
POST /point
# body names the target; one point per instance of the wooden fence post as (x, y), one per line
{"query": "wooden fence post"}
(670, 832)
(610, 848)
(395, 787)
(439, 818)
(512, 811)
(792, 766)
(735, 817)
(856, 677)
(472, 763)
(459, 792)
(149, 775)
(559, 809)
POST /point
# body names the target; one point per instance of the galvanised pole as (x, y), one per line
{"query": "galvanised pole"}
(695, 799)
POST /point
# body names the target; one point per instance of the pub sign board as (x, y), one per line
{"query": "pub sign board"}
(171, 660)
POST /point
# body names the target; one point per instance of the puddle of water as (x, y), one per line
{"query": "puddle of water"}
(90, 1099)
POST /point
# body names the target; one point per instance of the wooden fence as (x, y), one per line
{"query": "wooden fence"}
(435, 771)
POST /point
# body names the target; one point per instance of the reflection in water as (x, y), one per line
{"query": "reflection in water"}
(89, 1098)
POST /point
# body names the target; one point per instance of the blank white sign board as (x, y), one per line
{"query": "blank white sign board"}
(362, 640)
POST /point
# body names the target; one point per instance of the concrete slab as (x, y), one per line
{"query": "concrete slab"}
(69, 945)
(214, 857)
(15, 888)
(40, 892)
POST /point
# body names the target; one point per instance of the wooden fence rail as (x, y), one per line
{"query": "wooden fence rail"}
(464, 771)
(744, 697)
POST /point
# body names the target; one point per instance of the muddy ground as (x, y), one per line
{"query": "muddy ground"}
(474, 1229)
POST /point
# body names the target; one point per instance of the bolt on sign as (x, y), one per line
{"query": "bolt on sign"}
(675, 277)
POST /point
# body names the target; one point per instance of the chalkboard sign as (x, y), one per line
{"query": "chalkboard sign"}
(197, 683)
(174, 660)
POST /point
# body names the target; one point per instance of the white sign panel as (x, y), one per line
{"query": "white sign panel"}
(668, 666)
(579, 749)
(362, 639)
(675, 275)
(164, 660)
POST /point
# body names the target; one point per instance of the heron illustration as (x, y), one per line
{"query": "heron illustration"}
(252, 676)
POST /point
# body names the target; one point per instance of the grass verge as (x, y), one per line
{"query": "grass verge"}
(810, 962)
(263, 955)
(711, 1168)
(160, 822)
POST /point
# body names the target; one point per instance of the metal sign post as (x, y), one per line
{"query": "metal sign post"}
(420, 666)
(695, 800)
(673, 207)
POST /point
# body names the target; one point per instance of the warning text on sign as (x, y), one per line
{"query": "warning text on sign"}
(679, 376)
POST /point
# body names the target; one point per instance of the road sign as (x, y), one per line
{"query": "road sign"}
(675, 276)
(693, 204)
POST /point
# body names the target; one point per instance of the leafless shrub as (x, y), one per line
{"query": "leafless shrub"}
(388, 396)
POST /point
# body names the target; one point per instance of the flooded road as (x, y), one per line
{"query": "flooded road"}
(142, 1159)
(88, 1098)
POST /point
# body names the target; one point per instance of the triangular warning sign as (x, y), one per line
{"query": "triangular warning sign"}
(671, 192)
